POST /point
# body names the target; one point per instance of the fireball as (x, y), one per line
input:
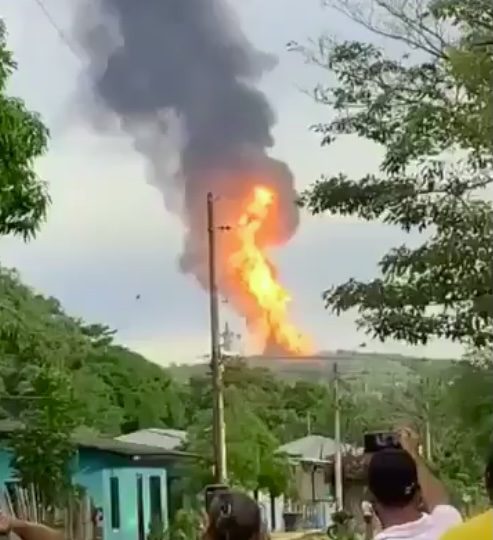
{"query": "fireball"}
(256, 275)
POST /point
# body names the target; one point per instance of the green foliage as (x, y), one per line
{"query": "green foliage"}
(469, 399)
(34, 332)
(113, 389)
(118, 389)
(23, 138)
(132, 392)
(33, 328)
(79, 377)
(430, 112)
(380, 369)
(432, 117)
(186, 526)
(43, 447)
(252, 460)
(156, 530)
(342, 527)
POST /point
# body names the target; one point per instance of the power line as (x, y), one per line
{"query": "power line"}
(61, 34)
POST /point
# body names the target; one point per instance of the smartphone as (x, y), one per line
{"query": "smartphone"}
(380, 440)
(212, 491)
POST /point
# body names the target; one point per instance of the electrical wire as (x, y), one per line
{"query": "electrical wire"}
(61, 34)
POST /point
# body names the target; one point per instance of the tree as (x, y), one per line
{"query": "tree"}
(120, 389)
(431, 113)
(461, 434)
(43, 447)
(469, 399)
(34, 331)
(23, 138)
(142, 392)
(251, 446)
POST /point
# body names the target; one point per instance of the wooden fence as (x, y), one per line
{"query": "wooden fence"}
(75, 518)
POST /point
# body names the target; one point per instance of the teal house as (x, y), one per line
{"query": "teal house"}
(128, 483)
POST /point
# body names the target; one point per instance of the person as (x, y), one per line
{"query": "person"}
(399, 481)
(26, 530)
(480, 527)
(234, 516)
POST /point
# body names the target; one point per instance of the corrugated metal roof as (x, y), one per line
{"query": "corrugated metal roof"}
(8, 425)
(167, 439)
(85, 439)
(313, 448)
(127, 448)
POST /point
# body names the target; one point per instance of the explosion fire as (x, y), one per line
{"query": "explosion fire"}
(181, 80)
(257, 276)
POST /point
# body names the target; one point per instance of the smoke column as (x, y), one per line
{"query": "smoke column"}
(158, 64)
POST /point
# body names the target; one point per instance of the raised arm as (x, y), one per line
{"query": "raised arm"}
(433, 490)
(26, 530)
(34, 531)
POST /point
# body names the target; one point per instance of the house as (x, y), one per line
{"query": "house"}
(312, 458)
(313, 487)
(166, 440)
(127, 482)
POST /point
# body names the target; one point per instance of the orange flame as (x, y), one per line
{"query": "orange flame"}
(257, 275)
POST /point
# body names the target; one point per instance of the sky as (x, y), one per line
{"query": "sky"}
(108, 236)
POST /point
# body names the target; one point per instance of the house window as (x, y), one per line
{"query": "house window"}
(140, 508)
(156, 499)
(115, 502)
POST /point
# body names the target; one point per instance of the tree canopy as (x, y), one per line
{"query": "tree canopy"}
(23, 138)
(95, 383)
(43, 447)
(429, 109)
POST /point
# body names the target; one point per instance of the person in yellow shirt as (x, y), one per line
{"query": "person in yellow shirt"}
(480, 527)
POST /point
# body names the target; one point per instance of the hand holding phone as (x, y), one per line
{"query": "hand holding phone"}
(212, 491)
(380, 440)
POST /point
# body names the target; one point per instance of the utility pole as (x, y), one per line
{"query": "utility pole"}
(218, 425)
(337, 435)
(428, 447)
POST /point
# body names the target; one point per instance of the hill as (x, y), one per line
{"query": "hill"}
(369, 368)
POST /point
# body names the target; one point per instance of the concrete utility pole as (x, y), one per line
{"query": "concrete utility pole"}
(218, 425)
(337, 434)
(428, 448)
(428, 444)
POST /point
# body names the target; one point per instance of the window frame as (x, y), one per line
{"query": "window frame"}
(115, 509)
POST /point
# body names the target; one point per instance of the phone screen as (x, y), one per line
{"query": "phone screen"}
(211, 491)
(373, 442)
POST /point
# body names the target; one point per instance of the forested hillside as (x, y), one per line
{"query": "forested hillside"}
(116, 390)
(371, 369)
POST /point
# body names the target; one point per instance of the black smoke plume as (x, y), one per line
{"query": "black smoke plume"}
(152, 61)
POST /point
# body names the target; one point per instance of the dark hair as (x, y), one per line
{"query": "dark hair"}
(393, 477)
(233, 516)
(489, 476)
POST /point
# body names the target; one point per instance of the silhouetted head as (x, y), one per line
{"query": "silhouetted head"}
(233, 516)
(393, 483)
